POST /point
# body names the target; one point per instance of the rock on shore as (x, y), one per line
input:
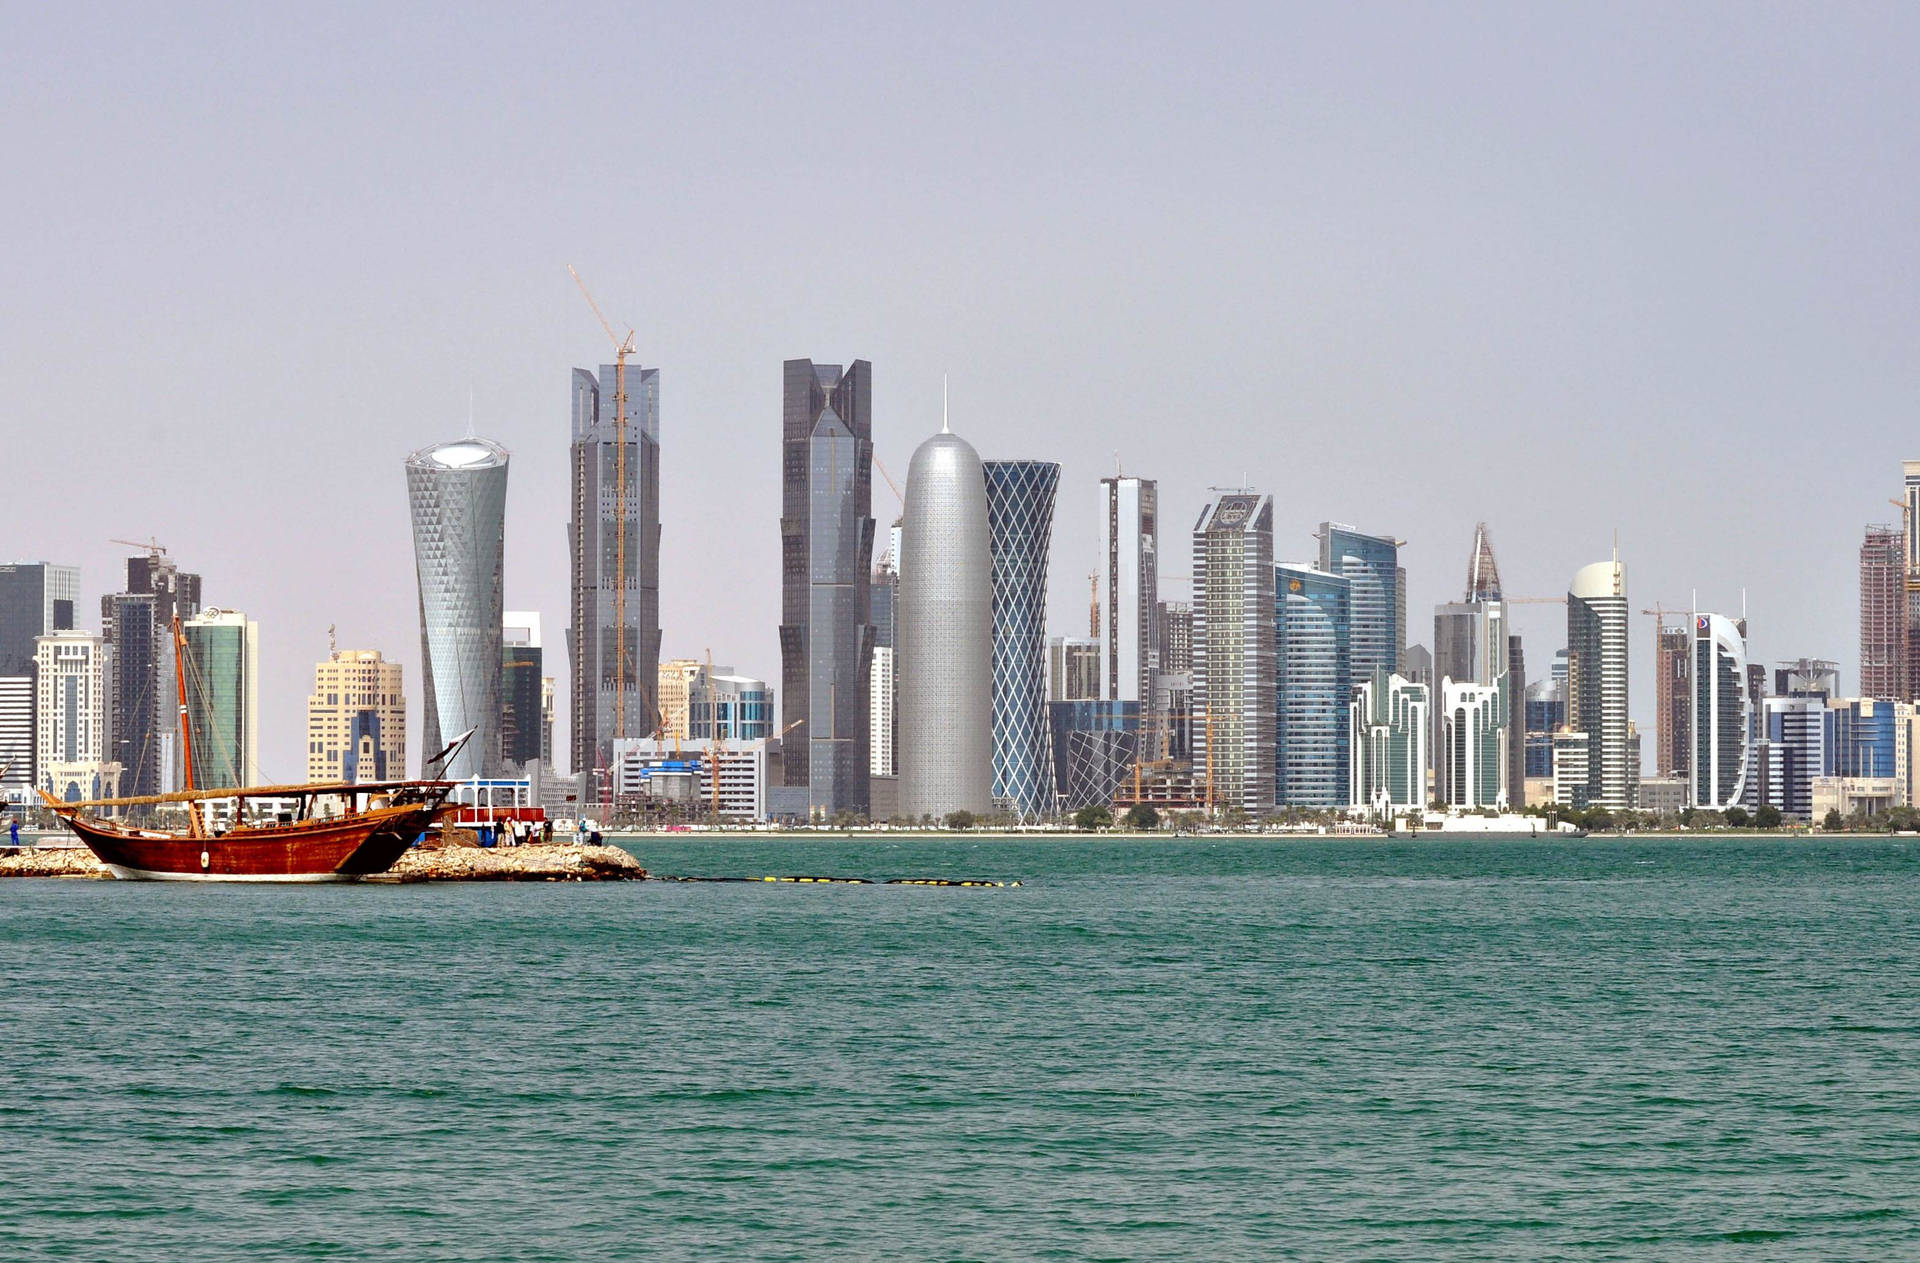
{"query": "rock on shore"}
(63, 861)
(517, 863)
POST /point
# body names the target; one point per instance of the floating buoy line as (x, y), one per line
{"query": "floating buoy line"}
(845, 881)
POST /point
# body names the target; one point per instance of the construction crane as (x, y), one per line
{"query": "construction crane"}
(153, 546)
(891, 484)
(623, 347)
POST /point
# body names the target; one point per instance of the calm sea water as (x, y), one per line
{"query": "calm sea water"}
(1151, 1050)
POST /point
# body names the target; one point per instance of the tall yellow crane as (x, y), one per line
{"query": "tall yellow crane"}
(623, 347)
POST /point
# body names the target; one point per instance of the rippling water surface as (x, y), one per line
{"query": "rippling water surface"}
(1150, 1050)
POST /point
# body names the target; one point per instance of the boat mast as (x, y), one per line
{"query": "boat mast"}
(180, 675)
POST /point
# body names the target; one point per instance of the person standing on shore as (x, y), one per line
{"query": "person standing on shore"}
(13, 829)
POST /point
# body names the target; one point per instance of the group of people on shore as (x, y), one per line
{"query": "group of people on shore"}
(522, 832)
(515, 833)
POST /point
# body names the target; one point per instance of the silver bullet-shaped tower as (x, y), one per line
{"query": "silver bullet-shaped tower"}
(945, 636)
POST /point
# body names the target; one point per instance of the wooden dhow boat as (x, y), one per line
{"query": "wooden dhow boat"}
(316, 832)
(335, 832)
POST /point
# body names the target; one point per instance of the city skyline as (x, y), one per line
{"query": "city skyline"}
(1536, 267)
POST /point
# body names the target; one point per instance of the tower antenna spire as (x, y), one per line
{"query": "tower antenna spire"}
(944, 428)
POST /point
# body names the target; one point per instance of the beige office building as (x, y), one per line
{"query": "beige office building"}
(356, 719)
(676, 694)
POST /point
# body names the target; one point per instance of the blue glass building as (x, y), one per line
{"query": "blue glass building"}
(1313, 613)
(1094, 743)
(1019, 530)
(1863, 740)
(1371, 563)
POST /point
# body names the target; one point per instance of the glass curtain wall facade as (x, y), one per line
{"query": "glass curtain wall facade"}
(826, 555)
(1314, 675)
(458, 495)
(1234, 682)
(1094, 744)
(607, 657)
(1720, 721)
(741, 705)
(1020, 495)
(1371, 563)
(522, 669)
(223, 698)
(36, 598)
(1597, 678)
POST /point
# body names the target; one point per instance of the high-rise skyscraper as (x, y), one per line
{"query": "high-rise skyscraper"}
(522, 664)
(1313, 671)
(223, 698)
(1173, 682)
(945, 634)
(72, 728)
(36, 598)
(1234, 676)
(1390, 727)
(1546, 714)
(356, 719)
(1130, 585)
(458, 495)
(675, 695)
(826, 553)
(1019, 533)
(1883, 614)
(1472, 662)
(1911, 678)
(138, 623)
(17, 738)
(1721, 719)
(1597, 679)
(1516, 735)
(1673, 701)
(883, 692)
(1371, 563)
(1073, 669)
(613, 642)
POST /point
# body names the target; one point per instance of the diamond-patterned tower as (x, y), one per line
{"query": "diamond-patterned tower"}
(458, 495)
(1019, 531)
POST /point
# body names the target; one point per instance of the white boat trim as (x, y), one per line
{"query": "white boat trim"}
(143, 874)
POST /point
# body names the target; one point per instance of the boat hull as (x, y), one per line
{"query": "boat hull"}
(343, 849)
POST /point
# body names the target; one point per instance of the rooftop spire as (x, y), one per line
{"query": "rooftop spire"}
(1483, 574)
(944, 427)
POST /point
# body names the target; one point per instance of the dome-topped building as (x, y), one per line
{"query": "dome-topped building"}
(945, 636)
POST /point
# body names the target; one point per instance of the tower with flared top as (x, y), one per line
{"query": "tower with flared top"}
(458, 495)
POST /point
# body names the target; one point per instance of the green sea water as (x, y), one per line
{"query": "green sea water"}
(1157, 1050)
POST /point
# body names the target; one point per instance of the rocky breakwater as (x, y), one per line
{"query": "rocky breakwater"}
(555, 862)
(53, 861)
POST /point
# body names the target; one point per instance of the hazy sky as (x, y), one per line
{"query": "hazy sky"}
(1571, 271)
